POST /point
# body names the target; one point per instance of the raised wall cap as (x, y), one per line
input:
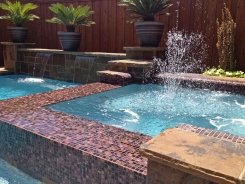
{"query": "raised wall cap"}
(17, 44)
(207, 157)
(78, 53)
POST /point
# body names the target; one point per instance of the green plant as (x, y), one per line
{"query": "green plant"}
(71, 16)
(226, 40)
(144, 9)
(221, 72)
(18, 13)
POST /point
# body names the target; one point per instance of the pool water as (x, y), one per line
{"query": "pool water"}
(11, 175)
(20, 85)
(151, 108)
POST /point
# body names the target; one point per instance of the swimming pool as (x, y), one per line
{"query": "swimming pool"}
(20, 85)
(11, 175)
(151, 108)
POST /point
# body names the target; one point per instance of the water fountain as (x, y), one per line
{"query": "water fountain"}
(185, 53)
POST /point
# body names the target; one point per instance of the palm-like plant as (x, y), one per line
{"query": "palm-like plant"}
(18, 13)
(71, 16)
(145, 9)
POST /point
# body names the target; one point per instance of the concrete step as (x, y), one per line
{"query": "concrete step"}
(3, 71)
(131, 63)
(114, 77)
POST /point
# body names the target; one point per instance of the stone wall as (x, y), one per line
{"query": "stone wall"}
(77, 67)
(159, 173)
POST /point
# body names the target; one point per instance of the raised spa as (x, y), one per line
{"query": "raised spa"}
(150, 109)
(20, 85)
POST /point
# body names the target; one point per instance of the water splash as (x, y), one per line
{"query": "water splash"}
(30, 80)
(185, 52)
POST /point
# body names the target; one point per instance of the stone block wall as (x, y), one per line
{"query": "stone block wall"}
(159, 173)
(67, 66)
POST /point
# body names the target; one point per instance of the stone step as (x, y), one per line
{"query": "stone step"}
(3, 71)
(114, 77)
(131, 63)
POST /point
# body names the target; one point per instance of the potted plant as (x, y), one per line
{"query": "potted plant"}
(143, 14)
(18, 14)
(70, 17)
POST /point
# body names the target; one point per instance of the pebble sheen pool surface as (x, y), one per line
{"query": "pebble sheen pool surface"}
(150, 109)
(12, 86)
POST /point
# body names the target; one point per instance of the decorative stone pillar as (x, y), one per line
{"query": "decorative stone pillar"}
(179, 156)
(10, 53)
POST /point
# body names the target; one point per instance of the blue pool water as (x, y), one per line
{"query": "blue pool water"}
(20, 85)
(150, 109)
(11, 175)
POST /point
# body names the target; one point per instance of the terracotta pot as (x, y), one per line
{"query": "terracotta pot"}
(70, 41)
(149, 33)
(17, 34)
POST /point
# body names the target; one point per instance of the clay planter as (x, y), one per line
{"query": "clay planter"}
(70, 41)
(149, 33)
(17, 34)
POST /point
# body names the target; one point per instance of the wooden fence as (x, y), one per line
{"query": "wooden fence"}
(112, 32)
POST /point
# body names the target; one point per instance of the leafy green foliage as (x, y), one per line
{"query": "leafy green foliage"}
(71, 16)
(145, 9)
(18, 13)
(223, 73)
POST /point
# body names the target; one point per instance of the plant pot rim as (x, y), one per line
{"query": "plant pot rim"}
(13, 27)
(148, 23)
(68, 33)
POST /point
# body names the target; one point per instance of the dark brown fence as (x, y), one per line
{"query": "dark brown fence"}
(112, 32)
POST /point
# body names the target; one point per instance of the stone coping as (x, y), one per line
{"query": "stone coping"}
(108, 143)
(56, 51)
(229, 84)
(204, 77)
(17, 44)
(207, 157)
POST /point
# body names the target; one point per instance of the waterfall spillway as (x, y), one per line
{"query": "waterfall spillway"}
(40, 63)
